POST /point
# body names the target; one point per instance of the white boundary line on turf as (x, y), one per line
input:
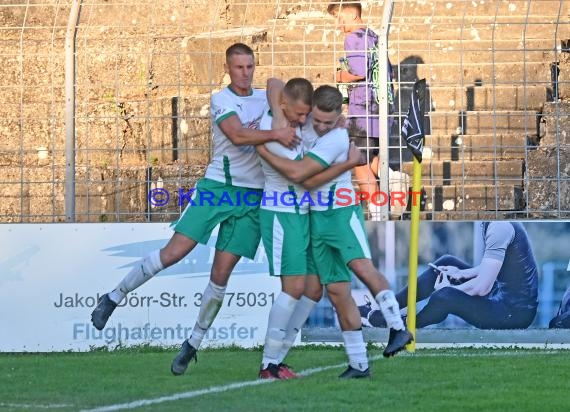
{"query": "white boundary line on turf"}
(491, 353)
(33, 406)
(307, 372)
(214, 389)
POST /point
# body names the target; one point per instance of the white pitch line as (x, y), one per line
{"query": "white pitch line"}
(214, 389)
(307, 372)
(34, 406)
(484, 354)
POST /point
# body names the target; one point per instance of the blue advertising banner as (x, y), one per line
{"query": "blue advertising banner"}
(490, 281)
(52, 275)
(472, 276)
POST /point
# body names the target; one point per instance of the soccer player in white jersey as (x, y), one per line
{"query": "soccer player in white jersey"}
(284, 218)
(338, 237)
(235, 168)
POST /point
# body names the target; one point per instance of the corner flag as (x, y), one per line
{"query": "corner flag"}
(414, 134)
(413, 127)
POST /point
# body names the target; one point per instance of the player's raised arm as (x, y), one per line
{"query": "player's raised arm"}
(240, 136)
(274, 92)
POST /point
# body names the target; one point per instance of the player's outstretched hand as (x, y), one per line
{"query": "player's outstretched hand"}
(287, 137)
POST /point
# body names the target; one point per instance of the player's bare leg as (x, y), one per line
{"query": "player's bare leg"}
(366, 180)
(308, 300)
(378, 285)
(272, 366)
(351, 326)
(177, 247)
(212, 299)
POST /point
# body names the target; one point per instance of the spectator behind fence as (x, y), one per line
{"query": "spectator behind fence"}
(363, 109)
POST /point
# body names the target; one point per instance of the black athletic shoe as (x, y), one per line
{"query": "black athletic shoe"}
(351, 373)
(181, 361)
(366, 308)
(102, 311)
(272, 371)
(397, 341)
(286, 371)
(376, 319)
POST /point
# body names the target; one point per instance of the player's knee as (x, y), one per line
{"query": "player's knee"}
(338, 292)
(313, 288)
(314, 293)
(362, 266)
(220, 276)
(175, 250)
(367, 273)
(169, 256)
(295, 288)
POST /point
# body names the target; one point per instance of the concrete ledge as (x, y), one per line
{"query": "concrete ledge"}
(452, 336)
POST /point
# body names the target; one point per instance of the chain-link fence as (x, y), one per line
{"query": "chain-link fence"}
(144, 71)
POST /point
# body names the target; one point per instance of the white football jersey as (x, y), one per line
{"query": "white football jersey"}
(332, 148)
(231, 164)
(279, 192)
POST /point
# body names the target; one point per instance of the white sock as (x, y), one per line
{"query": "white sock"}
(300, 314)
(212, 300)
(355, 349)
(390, 309)
(139, 274)
(279, 318)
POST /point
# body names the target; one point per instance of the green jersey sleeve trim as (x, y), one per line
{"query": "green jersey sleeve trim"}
(225, 116)
(318, 159)
(227, 173)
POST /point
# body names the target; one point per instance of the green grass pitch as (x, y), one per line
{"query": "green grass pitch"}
(225, 379)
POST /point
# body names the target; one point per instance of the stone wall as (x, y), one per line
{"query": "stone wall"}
(548, 182)
(144, 74)
(548, 167)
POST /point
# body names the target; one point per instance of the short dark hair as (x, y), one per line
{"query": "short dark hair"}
(328, 99)
(238, 48)
(335, 6)
(299, 88)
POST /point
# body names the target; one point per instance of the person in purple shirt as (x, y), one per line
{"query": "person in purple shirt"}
(363, 111)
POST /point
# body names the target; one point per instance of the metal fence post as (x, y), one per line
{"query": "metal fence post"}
(70, 110)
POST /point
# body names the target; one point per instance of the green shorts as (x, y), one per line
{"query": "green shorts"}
(216, 203)
(337, 237)
(286, 240)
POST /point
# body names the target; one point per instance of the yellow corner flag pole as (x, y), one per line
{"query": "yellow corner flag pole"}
(413, 133)
(413, 253)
